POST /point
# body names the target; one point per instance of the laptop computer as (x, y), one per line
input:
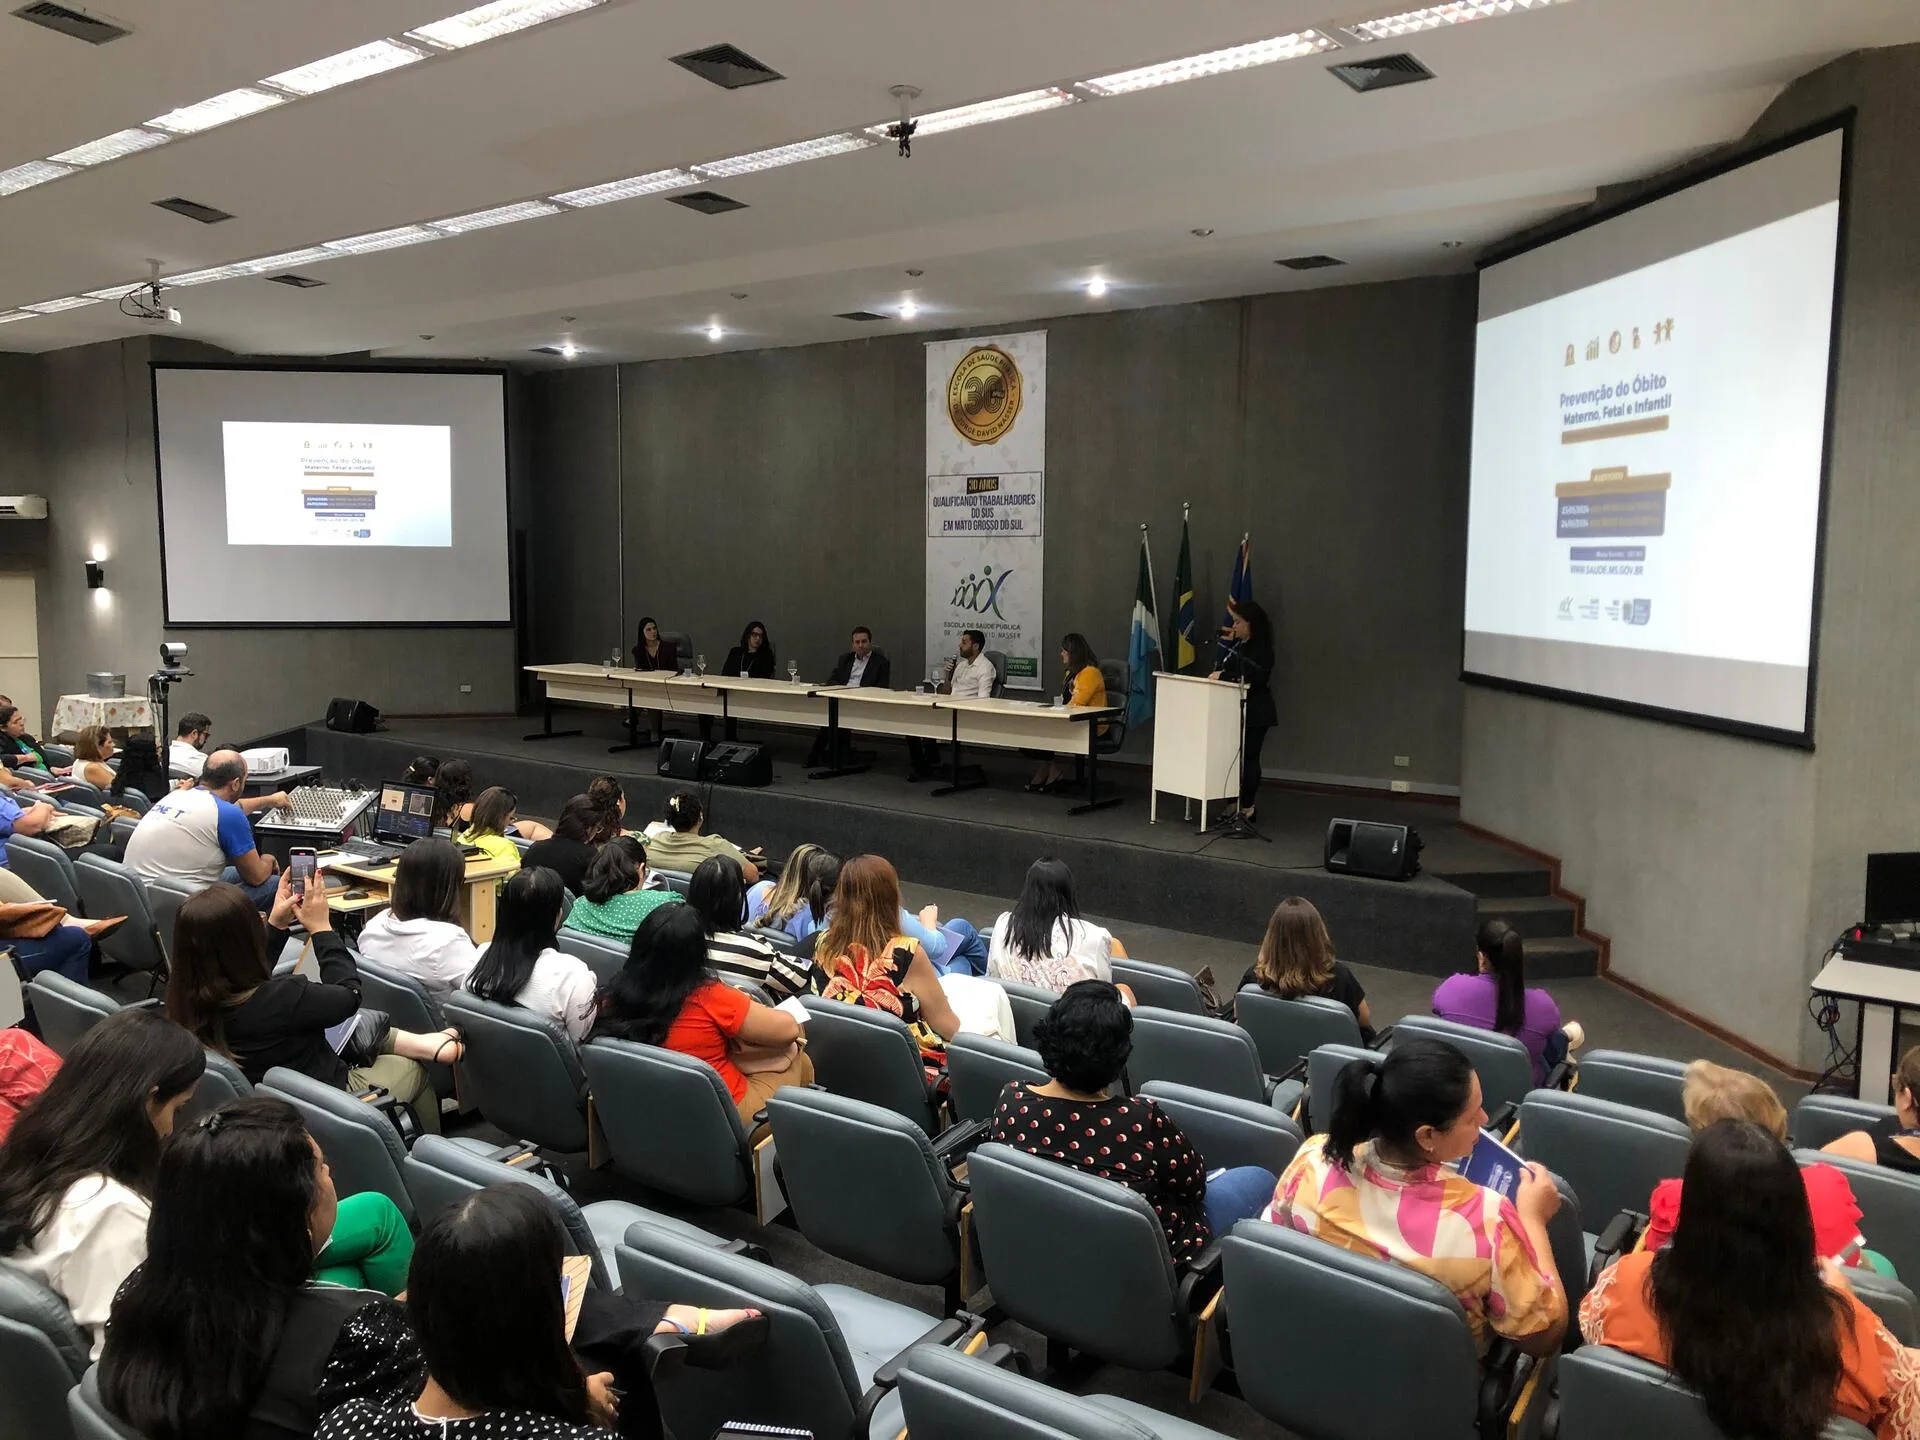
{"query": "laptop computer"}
(403, 815)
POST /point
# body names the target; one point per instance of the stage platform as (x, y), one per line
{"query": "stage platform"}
(1167, 875)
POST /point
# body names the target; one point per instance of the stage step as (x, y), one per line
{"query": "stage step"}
(1518, 881)
(1561, 957)
(1537, 917)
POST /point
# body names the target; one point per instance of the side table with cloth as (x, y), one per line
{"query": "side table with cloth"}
(74, 713)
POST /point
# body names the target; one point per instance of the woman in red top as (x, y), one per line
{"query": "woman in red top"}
(665, 996)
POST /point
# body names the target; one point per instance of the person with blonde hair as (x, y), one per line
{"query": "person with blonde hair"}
(866, 958)
(92, 748)
(1296, 958)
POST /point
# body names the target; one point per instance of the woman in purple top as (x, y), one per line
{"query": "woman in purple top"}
(1496, 997)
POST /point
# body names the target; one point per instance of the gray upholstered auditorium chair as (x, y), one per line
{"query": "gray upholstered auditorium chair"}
(868, 1055)
(222, 1081)
(1166, 987)
(47, 868)
(120, 829)
(56, 754)
(79, 792)
(1324, 1064)
(674, 880)
(1892, 1301)
(836, 1155)
(979, 1068)
(440, 1170)
(1646, 1082)
(1316, 1308)
(1889, 1206)
(43, 1354)
(109, 888)
(1821, 1119)
(1227, 1132)
(134, 800)
(1194, 1050)
(409, 1006)
(831, 1355)
(1611, 1155)
(65, 1010)
(164, 899)
(778, 939)
(1083, 1261)
(1030, 1004)
(1606, 1394)
(1501, 1061)
(362, 1148)
(665, 1119)
(521, 1072)
(947, 1395)
(604, 956)
(89, 1416)
(1285, 1031)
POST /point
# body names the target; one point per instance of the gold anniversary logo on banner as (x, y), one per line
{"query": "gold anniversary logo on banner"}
(983, 396)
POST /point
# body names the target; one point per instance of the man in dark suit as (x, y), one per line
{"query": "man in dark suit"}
(862, 665)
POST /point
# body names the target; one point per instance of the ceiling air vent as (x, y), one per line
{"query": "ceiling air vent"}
(708, 202)
(68, 21)
(193, 210)
(727, 66)
(298, 282)
(1310, 262)
(547, 350)
(863, 316)
(1381, 72)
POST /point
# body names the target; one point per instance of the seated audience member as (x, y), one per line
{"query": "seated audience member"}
(1380, 1183)
(953, 946)
(18, 749)
(797, 902)
(489, 822)
(1296, 959)
(1774, 1344)
(862, 665)
(1043, 941)
(583, 827)
(1084, 1042)
(76, 1170)
(615, 898)
(683, 846)
(753, 656)
(39, 938)
(188, 751)
(1895, 1141)
(866, 958)
(421, 771)
(420, 933)
(606, 792)
(140, 769)
(454, 801)
(1082, 686)
(222, 988)
(92, 748)
(970, 676)
(718, 897)
(1497, 997)
(201, 834)
(665, 996)
(1713, 1092)
(27, 1065)
(521, 966)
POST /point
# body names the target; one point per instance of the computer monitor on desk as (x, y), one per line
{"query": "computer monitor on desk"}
(1893, 888)
(404, 814)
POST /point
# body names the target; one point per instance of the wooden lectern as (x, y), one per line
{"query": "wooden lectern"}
(1196, 740)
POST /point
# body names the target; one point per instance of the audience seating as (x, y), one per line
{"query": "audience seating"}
(831, 1355)
(1501, 1061)
(134, 800)
(665, 1120)
(1084, 1262)
(675, 880)
(837, 1155)
(947, 1395)
(1612, 1155)
(363, 1149)
(1285, 1031)
(409, 1006)
(1889, 1207)
(1646, 1082)
(120, 829)
(980, 1067)
(603, 956)
(1323, 1065)
(47, 868)
(778, 939)
(1890, 1299)
(1165, 987)
(1606, 1394)
(1195, 1050)
(866, 1054)
(1821, 1119)
(1307, 1309)
(43, 1354)
(65, 1010)
(89, 1416)
(223, 1081)
(521, 1072)
(164, 899)
(1030, 1004)
(107, 888)
(1228, 1132)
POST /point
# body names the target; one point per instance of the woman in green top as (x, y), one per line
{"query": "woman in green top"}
(614, 903)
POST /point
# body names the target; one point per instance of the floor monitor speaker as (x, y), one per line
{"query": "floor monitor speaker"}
(355, 717)
(1370, 847)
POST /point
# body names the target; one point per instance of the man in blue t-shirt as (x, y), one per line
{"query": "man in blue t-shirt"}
(65, 948)
(202, 834)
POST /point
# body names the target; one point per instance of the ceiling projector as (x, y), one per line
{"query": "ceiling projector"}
(143, 302)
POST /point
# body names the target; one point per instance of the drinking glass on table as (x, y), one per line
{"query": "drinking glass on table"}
(793, 672)
(700, 664)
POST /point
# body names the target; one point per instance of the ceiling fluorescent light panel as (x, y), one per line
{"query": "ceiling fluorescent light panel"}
(54, 307)
(34, 172)
(1436, 17)
(204, 277)
(381, 240)
(1007, 107)
(780, 155)
(498, 215)
(286, 260)
(345, 68)
(490, 22)
(111, 147)
(633, 188)
(217, 110)
(1213, 62)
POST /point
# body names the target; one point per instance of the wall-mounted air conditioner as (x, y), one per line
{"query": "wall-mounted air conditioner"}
(23, 507)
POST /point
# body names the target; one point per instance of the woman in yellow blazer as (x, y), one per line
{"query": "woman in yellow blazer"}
(1081, 686)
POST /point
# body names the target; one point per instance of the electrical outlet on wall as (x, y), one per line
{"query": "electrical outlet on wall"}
(1402, 787)
(1401, 762)
(466, 689)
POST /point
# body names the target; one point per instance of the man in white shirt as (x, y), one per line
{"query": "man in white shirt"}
(202, 834)
(970, 677)
(188, 753)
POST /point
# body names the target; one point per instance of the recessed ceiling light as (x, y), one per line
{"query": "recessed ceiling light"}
(1213, 62)
(1097, 286)
(499, 215)
(54, 307)
(490, 22)
(1435, 17)
(345, 68)
(714, 332)
(1202, 231)
(569, 350)
(916, 274)
(984, 112)
(652, 183)
(380, 240)
(111, 147)
(738, 294)
(908, 309)
(34, 172)
(217, 110)
(1451, 244)
(779, 155)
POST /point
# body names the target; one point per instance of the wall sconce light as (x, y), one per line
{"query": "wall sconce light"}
(96, 575)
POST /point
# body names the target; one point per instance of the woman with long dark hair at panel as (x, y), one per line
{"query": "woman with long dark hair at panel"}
(419, 933)
(1246, 655)
(76, 1169)
(719, 897)
(753, 656)
(1043, 941)
(653, 651)
(1081, 685)
(1739, 1306)
(1497, 997)
(522, 966)
(1296, 958)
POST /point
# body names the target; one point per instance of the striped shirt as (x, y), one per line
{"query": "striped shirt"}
(735, 956)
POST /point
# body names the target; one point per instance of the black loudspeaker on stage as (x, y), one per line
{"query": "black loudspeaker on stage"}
(680, 759)
(1367, 847)
(355, 717)
(731, 763)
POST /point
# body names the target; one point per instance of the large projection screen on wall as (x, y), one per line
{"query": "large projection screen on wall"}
(1650, 429)
(332, 497)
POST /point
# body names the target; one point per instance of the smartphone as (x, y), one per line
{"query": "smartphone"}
(301, 865)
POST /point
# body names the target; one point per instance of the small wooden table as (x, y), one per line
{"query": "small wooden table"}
(375, 877)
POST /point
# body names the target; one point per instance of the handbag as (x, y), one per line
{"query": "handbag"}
(367, 1041)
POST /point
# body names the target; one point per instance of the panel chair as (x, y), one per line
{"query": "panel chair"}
(1165, 987)
(980, 1067)
(64, 1009)
(363, 1150)
(1646, 1082)
(1286, 1031)
(1501, 1061)
(831, 1357)
(948, 1395)
(410, 1006)
(1889, 1207)
(222, 1081)
(868, 1055)
(1195, 1050)
(1030, 1004)
(107, 888)
(1606, 1394)
(47, 868)
(522, 1073)
(43, 1354)
(1320, 1306)
(604, 956)
(1612, 1156)
(1819, 1120)
(1228, 1132)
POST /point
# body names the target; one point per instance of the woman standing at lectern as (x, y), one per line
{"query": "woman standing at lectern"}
(1246, 652)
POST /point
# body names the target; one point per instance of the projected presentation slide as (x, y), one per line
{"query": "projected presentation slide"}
(1649, 424)
(305, 483)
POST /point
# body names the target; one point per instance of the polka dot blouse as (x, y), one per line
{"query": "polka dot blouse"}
(397, 1420)
(1128, 1139)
